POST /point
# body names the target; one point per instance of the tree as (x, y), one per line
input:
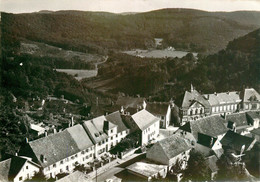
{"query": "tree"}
(197, 169)
(39, 177)
(230, 171)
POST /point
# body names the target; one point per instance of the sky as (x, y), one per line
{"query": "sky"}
(119, 6)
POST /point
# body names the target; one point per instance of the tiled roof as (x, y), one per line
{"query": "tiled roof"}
(223, 98)
(4, 170)
(116, 119)
(253, 115)
(95, 128)
(60, 145)
(256, 131)
(238, 118)
(157, 108)
(212, 126)
(146, 169)
(144, 119)
(212, 162)
(251, 94)
(190, 97)
(174, 145)
(236, 141)
(130, 101)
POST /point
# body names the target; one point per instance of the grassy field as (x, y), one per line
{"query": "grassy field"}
(158, 53)
(79, 74)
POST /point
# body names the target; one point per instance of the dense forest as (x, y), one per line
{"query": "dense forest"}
(200, 31)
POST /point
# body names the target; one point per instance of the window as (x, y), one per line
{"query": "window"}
(61, 162)
(82, 152)
(86, 150)
(54, 165)
(111, 137)
(26, 167)
(76, 155)
(87, 157)
(111, 131)
(61, 171)
(67, 168)
(72, 157)
(20, 178)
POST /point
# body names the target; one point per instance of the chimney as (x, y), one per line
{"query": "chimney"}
(215, 93)
(46, 133)
(228, 92)
(54, 131)
(26, 140)
(211, 141)
(16, 154)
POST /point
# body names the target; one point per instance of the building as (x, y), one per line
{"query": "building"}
(169, 151)
(37, 130)
(106, 131)
(162, 111)
(212, 126)
(225, 102)
(145, 124)
(147, 171)
(194, 106)
(17, 169)
(60, 152)
(130, 105)
(208, 145)
(236, 142)
(242, 122)
(251, 99)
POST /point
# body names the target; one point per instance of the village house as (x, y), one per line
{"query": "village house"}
(105, 132)
(225, 102)
(194, 106)
(251, 99)
(235, 141)
(162, 111)
(37, 129)
(212, 126)
(147, 171)
(242, 122)
(130, 105)
(145, 124)
(170, 151)
(60, 152)
(17, 169)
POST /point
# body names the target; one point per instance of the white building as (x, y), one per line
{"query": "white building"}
(146, 125)
(105, 132)
(17, 169)
(60, 152)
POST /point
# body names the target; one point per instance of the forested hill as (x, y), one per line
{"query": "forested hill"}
(206, 32)
(247, 44)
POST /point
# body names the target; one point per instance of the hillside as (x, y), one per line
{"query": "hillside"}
(200, 31)
(247, 44)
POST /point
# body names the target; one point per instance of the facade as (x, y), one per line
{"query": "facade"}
(60, 152)
(105, 132)
(169, 151)
(196, 105)
(17, 169)
(145, 124)
(162, 111)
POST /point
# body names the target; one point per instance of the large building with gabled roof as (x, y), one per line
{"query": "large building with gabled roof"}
(59, 152)
(170, 150)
